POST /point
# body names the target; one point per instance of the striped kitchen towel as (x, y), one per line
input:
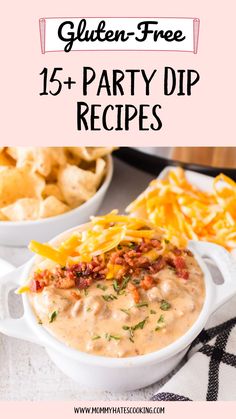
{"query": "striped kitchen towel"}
(210, 369)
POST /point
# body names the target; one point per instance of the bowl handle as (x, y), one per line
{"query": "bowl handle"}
(17, 328)
(226, 264)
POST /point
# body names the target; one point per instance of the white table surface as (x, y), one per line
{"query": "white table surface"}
(26, 372)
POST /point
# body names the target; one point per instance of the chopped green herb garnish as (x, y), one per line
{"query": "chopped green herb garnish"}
(86, 291)
(119, 247)
(140, 325)
(131, 245)
(109, 297)
(126, 311)
(78, 274)
(136, 281)
(157, 328)
(124, 282)
(109, 337)
(120, 288)
(89, 309)
(161, 319)
(165, 305)
(116, 286)
(167, 241)
(126, 327)
(102, 287)
(96, 337)
(153, 312)
(144, 304)
(132, 329)
(53, 316)
(160, 323)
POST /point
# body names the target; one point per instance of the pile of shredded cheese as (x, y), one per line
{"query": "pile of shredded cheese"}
(102, 235)
(185, 212)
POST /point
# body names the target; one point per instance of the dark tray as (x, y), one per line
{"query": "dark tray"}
(155, 164)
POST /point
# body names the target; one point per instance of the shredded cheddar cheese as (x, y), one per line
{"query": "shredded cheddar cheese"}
(186, 212)
(48, 252)
(102, 235)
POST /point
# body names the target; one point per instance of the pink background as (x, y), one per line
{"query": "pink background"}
(205, 118)
(62, 410)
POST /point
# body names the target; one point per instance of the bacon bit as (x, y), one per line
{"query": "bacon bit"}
(133, 262)
(156, 243)
(70, 275)
(119, 261)
(143, 247)
(75, 295)
(44, 275)
(177, 252)
(158, 265)
(188, 252)
(40, 280)
(147, 282)
(83, 282)
(179, 263)
(181, 268)
(170, 261)
(183, 274)
(36, 286)
(63, 278)
(142, 262)
(133, 254)
(65, 282)
(121, 273)
(134, 291)
(116, 255)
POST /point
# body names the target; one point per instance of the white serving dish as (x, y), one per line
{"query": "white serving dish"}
(5, 267)
(19, 233)
(119, 374)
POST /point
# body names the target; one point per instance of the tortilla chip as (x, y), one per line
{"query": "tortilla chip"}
(78, 185)
(2, 217)
(51, 206)
(52, 189)
(100, 170)
(38, 182)
(58, 156)
(33, 209)
(59, 159)
(41, 159)
(72, 158)
(23, 209)
(90, 153)
(17, 183)
(5, 160)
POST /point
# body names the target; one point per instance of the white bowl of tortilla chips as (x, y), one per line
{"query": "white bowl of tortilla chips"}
(45, 190)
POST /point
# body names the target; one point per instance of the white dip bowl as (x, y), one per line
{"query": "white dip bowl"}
(19, 233)
(118, 374)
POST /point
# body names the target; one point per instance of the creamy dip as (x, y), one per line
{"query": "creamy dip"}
(134, 313)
